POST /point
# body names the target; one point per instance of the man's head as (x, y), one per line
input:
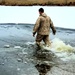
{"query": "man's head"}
(41, 10)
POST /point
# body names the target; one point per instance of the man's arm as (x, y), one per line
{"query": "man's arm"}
(36, 26)
(53, 28)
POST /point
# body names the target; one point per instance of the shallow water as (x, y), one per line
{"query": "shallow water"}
(28, 58)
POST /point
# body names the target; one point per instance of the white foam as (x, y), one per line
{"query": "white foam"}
(63, 51)
(28, 43)
(17, 47)
(59, 46)
(6, 46)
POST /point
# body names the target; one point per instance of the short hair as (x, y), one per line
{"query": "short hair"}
(41, 10)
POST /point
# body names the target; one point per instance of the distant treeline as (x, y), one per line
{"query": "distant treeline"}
(37, 2)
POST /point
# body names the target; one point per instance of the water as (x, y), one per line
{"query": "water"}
(25, 54)
(64, 51)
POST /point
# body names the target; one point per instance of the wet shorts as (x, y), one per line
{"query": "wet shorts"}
(39, 38)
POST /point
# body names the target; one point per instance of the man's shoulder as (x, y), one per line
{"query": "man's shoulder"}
(48, 17)
(40, 17)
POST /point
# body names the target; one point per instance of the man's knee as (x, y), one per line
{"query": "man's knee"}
(38, 43)
(47, 42)
(39, 38)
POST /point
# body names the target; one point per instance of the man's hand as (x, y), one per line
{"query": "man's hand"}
(54, 32)
(34, 34)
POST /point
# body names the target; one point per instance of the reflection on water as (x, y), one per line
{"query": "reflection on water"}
(44, 56)
(43, 68)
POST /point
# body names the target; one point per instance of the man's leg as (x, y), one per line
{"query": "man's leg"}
(46, 40)
(39, 38)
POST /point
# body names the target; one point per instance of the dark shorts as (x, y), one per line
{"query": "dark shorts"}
(39, 38)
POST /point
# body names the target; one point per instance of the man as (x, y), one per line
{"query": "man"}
(42, 28)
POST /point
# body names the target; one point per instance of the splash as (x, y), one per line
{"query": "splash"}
(63, 51)
(60, 46)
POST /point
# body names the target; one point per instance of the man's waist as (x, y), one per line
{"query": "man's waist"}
(43, 33)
